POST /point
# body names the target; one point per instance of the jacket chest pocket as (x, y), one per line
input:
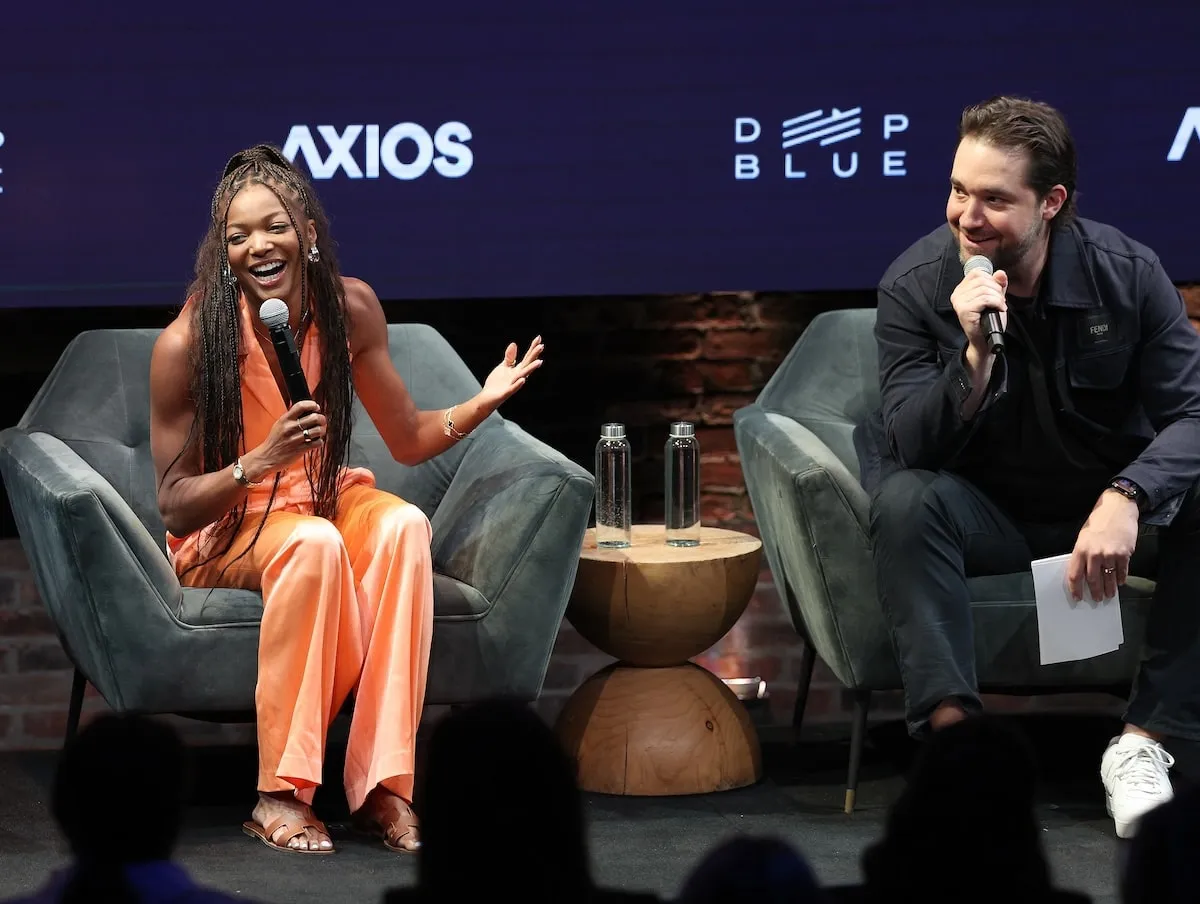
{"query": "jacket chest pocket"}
(1099, 350)
(1103, 387)
(1103, 371)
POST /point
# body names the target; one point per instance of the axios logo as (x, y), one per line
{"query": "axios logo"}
(453, 158)
(1188, 129)
(817, 129)
(1, 171)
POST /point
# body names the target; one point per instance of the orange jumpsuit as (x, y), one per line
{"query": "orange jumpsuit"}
(347, 608)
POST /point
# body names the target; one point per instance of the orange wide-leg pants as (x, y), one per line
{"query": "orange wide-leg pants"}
(347, 608)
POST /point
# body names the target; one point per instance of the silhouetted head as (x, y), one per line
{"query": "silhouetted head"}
(499, 789)
(754, 871)
(969, 809)
(119, 790)
(1162, 866)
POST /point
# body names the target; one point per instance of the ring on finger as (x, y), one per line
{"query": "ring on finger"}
(307, 438)
(1108, 569)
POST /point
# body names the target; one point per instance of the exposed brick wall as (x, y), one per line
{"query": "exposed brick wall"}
(644, 362)
(1191, 297)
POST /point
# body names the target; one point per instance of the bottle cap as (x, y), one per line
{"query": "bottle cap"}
(612, 431)
(683, 428)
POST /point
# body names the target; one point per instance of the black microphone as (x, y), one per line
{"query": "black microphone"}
(991, 319)
(274, 313)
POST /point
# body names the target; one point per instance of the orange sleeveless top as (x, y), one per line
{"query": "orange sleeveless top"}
(262, 406)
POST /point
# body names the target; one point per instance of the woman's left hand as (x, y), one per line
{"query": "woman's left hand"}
(510, 374)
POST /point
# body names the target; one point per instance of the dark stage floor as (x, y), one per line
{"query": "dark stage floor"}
(638, 843)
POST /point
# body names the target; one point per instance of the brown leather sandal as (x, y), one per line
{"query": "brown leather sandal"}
(267, 832)
(392, 839)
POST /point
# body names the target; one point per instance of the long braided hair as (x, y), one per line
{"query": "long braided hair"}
(216, 335)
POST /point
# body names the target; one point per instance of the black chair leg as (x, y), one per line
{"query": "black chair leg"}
(78, 685)
(862, 705)
(808, 659)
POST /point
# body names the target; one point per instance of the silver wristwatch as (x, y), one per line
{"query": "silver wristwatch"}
(239, 474)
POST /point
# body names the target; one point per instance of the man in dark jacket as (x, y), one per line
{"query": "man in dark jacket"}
(1082, 436)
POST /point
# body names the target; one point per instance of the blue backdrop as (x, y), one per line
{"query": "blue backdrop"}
(542, 147)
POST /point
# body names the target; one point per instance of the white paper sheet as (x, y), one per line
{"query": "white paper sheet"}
(1070, 630)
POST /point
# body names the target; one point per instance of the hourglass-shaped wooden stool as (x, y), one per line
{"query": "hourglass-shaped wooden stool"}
(654, 723)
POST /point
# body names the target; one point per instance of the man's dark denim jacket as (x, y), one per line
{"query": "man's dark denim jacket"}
(1123, 336)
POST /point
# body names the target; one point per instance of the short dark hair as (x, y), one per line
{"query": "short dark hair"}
(1020, 124)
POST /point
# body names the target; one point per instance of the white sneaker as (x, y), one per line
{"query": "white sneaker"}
(1134, 772)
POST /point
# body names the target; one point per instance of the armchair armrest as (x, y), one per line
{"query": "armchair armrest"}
(813, 515)
(511, 525)
(101, 575)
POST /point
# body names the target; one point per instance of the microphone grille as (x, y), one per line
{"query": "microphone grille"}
(977, 262)
(273, 313)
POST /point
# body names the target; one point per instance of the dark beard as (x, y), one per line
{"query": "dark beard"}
(1009, 259)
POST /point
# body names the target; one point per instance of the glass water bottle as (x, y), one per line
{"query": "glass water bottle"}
(614, 527)
(682, 485)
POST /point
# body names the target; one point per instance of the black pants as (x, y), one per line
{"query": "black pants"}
(933, 530)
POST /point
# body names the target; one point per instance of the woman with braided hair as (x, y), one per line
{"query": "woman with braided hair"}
(256, 494)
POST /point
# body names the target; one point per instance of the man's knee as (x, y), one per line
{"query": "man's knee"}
(906, 499)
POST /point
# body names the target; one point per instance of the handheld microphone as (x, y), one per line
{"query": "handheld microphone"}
(274, 313)
(991, 319)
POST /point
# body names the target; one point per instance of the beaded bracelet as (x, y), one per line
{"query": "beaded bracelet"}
(448, 428)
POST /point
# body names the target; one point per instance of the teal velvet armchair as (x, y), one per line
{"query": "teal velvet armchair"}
(797, 447)
(508, 516)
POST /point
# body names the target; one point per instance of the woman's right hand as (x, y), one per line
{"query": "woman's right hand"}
(300, 430)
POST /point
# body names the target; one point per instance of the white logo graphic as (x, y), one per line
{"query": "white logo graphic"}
(452, 159)
(1188, 128)
(816, 129)
(1, 171)
(837, 126)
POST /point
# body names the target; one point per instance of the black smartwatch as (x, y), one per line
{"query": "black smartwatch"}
(1129, 490)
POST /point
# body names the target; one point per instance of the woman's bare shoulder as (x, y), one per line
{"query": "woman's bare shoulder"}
(366, 326)
(359, 295)
(172, 349)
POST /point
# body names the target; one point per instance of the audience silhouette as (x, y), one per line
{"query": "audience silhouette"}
(964, 828)
(1163, 866)
(502, 814)
(748, 870)
(118, 797)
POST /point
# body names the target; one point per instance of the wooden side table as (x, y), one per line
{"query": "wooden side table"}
(654, 723)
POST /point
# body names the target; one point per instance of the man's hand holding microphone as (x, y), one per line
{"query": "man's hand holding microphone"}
(983, 314)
